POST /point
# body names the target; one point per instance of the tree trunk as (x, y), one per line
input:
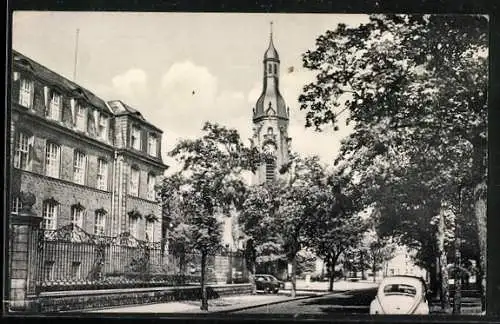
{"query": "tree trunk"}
(480, 214)
(294, 276)
(362, 265)
(332, 274)
(445, 302)
(251, 276)
(480, 170)
(374, 271)
(204, 300)
(433, 278)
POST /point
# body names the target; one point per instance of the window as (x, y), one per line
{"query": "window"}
(22, 151)
(150, 231)
(269, 68)
(400, 289)
(80, 166)
(270, 131)
(151, 186)
(275, 68)
(52, 160)
(17, 205)
(103, 128)
(133, 226)
(270, 168)
(25, 93)
(152, 142)
(75, 270)
(55, 106)
(77, 216)
(48, 270)
(50, 211)
(100, 223)
(81, 117)
(135, 141)
(134, 181)
(102, 174)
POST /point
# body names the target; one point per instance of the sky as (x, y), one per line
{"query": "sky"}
(154, 62)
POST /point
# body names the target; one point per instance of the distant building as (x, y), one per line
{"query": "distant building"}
(402, 264)
(88, 162)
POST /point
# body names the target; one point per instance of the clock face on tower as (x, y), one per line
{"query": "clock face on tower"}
(269, 148)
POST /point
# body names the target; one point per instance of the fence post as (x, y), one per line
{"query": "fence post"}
(23, 261)
(230, 266)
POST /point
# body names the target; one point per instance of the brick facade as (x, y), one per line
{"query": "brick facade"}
(106, 136)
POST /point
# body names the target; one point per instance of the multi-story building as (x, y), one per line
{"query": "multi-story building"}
(87, 162)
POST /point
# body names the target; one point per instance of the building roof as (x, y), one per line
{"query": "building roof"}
(57, 80)
(120, 108)
(271, 52)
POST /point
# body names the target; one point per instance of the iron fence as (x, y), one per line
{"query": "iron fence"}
(71, 258)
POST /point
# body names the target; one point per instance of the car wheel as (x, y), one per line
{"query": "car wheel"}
(267, 290)
(276, 291)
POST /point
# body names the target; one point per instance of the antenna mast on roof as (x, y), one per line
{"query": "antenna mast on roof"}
(76, 54)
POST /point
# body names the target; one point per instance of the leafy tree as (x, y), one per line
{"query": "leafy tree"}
(335, 226)
(258, 222)
(299, 205)
(209, 183)
(378, 250)
(415, 87)
(276, 215)
(306, 263)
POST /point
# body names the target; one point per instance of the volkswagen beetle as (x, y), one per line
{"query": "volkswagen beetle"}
(401, 295)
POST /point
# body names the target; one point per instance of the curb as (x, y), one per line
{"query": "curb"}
(265, 304)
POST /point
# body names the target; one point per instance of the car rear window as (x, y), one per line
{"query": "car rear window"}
(400, 289)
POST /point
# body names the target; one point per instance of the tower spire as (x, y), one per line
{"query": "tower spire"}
(271, 31)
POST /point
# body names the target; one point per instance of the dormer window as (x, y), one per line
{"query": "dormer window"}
(135, 140)
(55, 106)
(81, 117)
(103, 128)
(26, 93)
(152, 145)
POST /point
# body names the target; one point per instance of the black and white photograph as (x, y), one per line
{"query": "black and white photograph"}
(242, 164)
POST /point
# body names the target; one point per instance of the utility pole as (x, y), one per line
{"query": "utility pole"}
(457, 300)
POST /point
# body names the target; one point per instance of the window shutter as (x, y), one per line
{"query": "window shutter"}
(16, 87)
(46, 94)
(96, 121)
(31, 148)
(144, 140)
(73, 110)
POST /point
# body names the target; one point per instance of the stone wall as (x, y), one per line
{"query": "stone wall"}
(80, 300)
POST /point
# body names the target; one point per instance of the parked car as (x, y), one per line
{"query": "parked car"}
(401, 295)
(268, 283)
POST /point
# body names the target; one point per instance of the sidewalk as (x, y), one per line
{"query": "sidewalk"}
(340, 285)
(229, 303)
(217, 305)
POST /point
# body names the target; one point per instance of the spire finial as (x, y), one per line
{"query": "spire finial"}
(271, 33)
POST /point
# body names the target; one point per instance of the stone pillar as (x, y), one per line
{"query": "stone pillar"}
(24, 261)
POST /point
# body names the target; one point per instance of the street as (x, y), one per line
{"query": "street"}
(349, 302)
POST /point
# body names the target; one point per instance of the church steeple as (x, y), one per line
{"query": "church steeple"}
(270, 119)
(270, 101)
(271, 52)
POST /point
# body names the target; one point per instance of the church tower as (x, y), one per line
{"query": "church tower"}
(270, 120)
